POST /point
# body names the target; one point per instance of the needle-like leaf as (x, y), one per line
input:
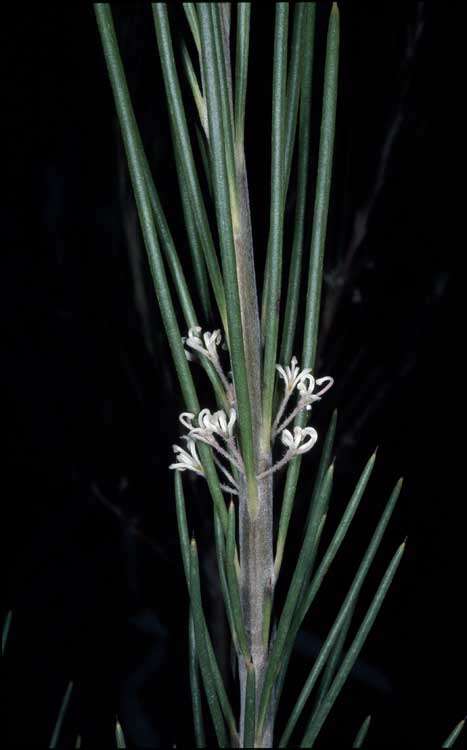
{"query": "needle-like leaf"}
(295, 268)
(335, 656)
(184, 150)
(138, 174)
(201, 648)
(208, 649)
(300, 574)
(336, 541)
(317, 721)
(297, 60)
(61, 715)
(323, 187)
(362, 733)
(290, 489)
(220, 554)
(119, 736)
(6, 630)
(192, 18)
(241, 68)
(342, 618)
(450, 740)
(271, 321)
(234, 590)
(195, 687)
(310, 590)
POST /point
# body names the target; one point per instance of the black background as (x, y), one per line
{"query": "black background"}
(93, 572)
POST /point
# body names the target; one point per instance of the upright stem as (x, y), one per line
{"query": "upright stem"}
(255, 530)
(256, 588)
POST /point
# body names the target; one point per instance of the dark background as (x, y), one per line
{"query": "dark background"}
(93, 572)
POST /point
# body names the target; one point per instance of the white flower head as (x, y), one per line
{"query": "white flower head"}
(187, 461)
(203, 343)
(292, 375)
(301, 441)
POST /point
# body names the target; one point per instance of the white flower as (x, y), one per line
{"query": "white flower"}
(297, 442)
(187, 461)
(204, 343)
(307, 384)
(292, 375)
(211, 423)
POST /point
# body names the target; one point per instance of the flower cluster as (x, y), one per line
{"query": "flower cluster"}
(304, 383)
(205, 344)
(210, 426)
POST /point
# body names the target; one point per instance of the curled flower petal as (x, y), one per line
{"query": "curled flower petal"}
(306, 445)
(187, 461)
(204, 343)
(306, 384)
(302, 439)
(287, 438)
(186, 418)
(328, 383)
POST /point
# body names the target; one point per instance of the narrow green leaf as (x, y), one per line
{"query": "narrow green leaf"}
(292, 91)
(317, 721)
(119, 736)
(61, 715)
(301, 573)
(335, 656)
(250, 706)
(295, 269)
(182, 525)
(196, 249)
(208, 649)
(241, 68)
(201, 648)
(337, 539)
(168, 245)
(6, 630)
(450, 740)
(192, 18)
(138, 179)
(299, 56)
(201, 138)
(224, 220)
(290, 489)
(138, 174)
(308, 595)
(195, 687)
(220, 554)
(234, 589)
(362, 733)
(220, 688)
(323, 187)
(192, 79)
(342, 618)
(271, 322)
(183, 147)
